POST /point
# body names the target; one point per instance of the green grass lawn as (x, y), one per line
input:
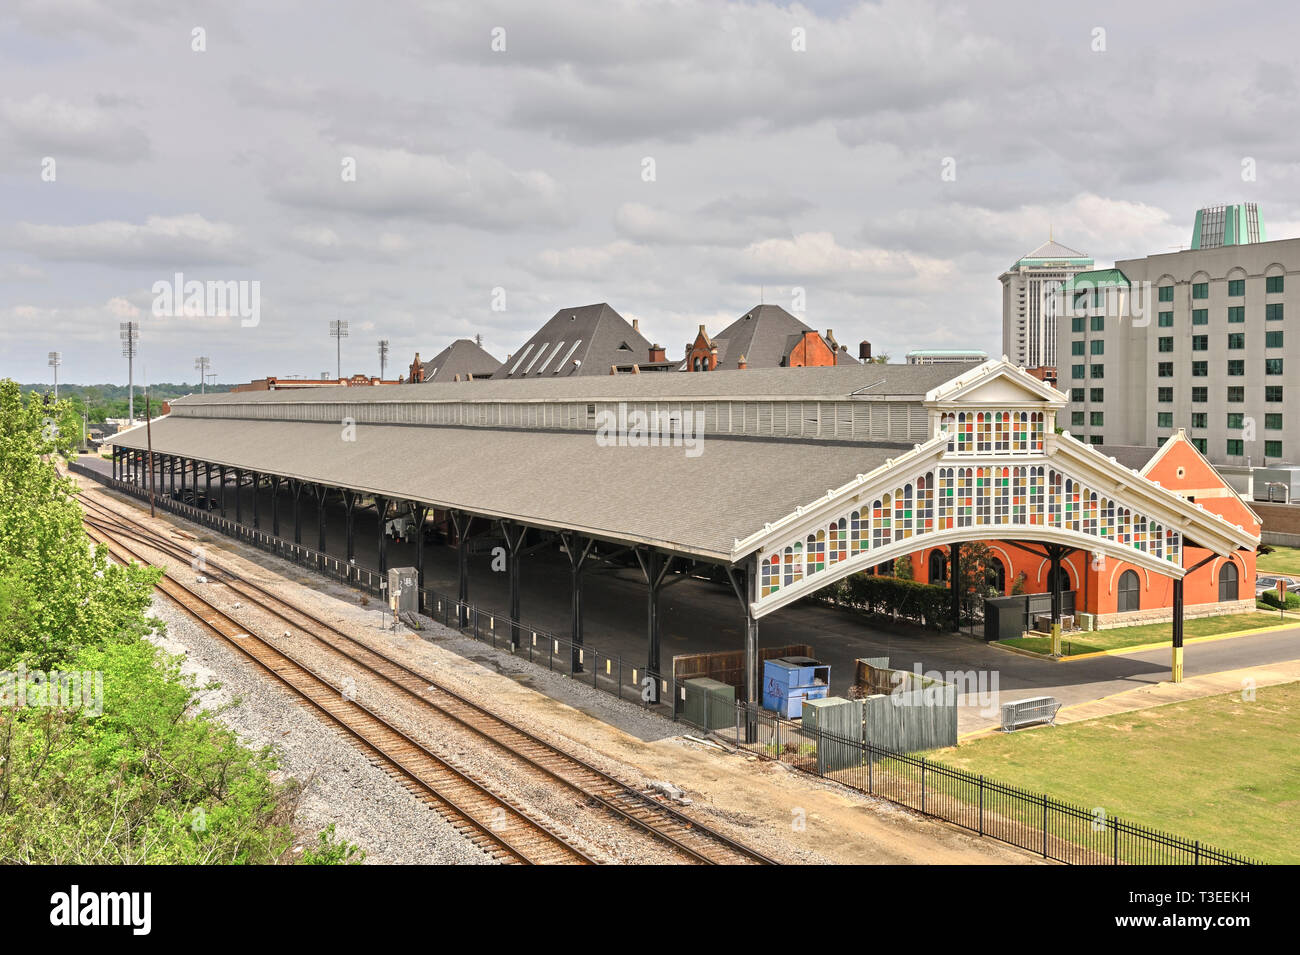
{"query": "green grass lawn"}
(1283, 560)
(1220, 770)
(1121, 637)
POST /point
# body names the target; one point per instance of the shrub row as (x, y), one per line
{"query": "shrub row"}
(927, 604)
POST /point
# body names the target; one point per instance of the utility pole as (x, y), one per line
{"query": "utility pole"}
(130, 334)
(383, 361)
(56, 359)
(201, 365)
(338, 331)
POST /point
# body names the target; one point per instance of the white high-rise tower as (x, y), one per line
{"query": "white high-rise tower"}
(1030, 302)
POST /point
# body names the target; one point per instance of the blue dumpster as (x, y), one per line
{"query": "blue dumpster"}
(788, 681)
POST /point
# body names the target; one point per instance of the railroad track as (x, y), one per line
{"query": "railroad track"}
(689, 838)
(489, 820)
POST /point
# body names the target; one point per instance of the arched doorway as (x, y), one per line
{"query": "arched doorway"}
(1051, 580)
(997, 575)
(938, 567)
(1229, 582)
(1129, 592)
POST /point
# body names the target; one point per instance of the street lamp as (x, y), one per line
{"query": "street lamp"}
(56, 359)
(130, 335)
(339, 331)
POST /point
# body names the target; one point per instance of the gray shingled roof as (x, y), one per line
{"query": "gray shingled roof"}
(657, 496)
(1134, 457)
(462, 357)
(840, 381)
(594, 336)
(761, 335)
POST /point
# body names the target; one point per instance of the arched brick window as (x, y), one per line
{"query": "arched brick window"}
(1229, 581)
(1129, 592)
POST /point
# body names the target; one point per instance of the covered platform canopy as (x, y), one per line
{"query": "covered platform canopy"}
(789, 478)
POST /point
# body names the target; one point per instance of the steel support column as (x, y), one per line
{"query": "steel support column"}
(296, 487)
(514, 535)
(349, 506)
(418, 512)
(207, 485)
(1056, 576)
(275, 504)
(221, 476)
(381, 512)
(257, 480)
(744, 582)
(654, 567)
(577, 549)
(239, 497)
(1177, 675)
(462, 523)
(319, 491)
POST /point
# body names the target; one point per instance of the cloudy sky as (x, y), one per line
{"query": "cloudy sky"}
(677, 160)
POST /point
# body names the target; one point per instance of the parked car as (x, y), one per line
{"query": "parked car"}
(1266, 582)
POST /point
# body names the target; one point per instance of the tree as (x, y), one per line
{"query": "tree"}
(61, 594)
(978, 571)
(124, 771)
(903, 568)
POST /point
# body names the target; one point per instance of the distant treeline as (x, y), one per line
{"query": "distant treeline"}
(102, 402)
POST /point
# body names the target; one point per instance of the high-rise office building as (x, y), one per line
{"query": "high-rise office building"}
(1030, 299)
(1194, 339)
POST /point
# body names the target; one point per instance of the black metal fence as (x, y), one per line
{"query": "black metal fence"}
(1053, 828)
(1050, 827)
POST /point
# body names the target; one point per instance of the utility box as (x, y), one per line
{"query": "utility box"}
(404, 589)
(788, 681)
(708, 704)
(837, 724)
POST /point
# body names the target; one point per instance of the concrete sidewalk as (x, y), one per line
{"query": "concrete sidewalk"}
(1192, 688)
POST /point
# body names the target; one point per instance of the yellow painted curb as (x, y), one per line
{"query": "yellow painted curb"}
(1145, 647)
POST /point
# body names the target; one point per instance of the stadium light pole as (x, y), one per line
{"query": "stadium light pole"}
(338, 331)
(56, 359)
(201, 365)
(383, 360)
(130, 334)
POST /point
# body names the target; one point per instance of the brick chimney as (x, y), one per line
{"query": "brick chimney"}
(742, 363)
(636, 324)
(658, 353)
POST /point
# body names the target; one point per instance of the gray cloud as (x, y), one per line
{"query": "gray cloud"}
(521, 170)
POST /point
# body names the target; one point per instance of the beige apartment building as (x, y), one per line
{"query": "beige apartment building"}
(1195, 339)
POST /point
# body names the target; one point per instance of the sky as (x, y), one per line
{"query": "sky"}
(429, 170)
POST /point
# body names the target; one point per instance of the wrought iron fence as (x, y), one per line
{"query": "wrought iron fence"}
(1051, 827)
(1037, 822)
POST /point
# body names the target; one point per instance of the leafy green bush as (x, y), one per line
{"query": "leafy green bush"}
(1269, 599)
(127, 772)
(927, 604)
